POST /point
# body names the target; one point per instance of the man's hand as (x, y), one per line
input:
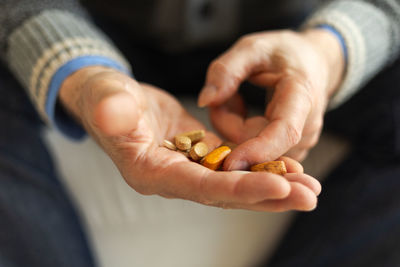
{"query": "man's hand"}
(303, 69)
(130, 120)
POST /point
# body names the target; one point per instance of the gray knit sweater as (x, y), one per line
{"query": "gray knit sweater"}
(39, 37)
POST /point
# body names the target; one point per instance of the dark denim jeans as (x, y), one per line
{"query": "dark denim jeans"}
(38, 225)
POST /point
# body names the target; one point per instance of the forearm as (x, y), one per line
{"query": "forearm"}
(371, 32)
(43, 45)
(329, 47)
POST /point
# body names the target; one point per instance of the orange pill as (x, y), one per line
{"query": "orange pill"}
(277, 167)
(215, 158)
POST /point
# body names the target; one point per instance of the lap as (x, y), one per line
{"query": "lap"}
(38, 225)
(356, 222)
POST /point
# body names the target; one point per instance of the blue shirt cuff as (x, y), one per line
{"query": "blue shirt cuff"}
(337, 34)
(57, 115)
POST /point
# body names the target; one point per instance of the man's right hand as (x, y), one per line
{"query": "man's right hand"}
(129, 120)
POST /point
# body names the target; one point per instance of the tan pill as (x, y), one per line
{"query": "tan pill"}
(183, 142)
(194, 136)
(169, 145)
(215, 158)
(277, 167)
(198, 151)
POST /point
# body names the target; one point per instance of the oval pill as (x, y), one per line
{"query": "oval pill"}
(195, 135)
(216, 157)
(169, 145)
(198, 151)
(277, 167)
(183, 142)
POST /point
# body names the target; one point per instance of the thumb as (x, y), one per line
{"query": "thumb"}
(116, 113)
(102, 99)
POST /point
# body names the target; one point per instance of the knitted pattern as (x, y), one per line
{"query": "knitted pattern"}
(372, 36)
(44, 43)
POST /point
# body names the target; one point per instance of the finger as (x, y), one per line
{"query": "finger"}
(236, 105)
(211, 140)
(229, 124)
(234, 127)
(292, 166)
(287, 113)
(300, 151)
(298, 154)
(227, 72)
(300, 198)
(305, 180)
(229, 119)
(218, 187)
(188, 180)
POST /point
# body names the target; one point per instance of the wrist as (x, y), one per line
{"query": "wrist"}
(73, 89)
(330, 48)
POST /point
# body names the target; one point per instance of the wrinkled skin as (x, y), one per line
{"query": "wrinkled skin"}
(129, 120)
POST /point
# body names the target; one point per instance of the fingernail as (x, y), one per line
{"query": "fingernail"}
(237, 165)
(207, 95)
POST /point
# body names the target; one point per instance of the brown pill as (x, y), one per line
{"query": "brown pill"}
(183, 142)
(216, 157)
(198, 151)
(194, 136)
(277, 167)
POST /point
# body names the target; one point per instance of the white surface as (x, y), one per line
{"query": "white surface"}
(127, 229)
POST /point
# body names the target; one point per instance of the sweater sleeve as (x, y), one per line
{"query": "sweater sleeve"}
(371, 33)
(43, 42)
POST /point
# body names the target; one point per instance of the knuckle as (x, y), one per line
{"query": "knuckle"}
(245, 39)
(316, 125)
(251, 41)
(293, 134)
(219, 67)
(304, 88)
(308, 92)
(302, 155)
(314, 141)
(287, 33)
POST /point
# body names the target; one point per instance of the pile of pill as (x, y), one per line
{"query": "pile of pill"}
(190, 145)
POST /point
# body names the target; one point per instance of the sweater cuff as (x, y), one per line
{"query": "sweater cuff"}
(366, 33)
(338, 36)
(47, 48)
